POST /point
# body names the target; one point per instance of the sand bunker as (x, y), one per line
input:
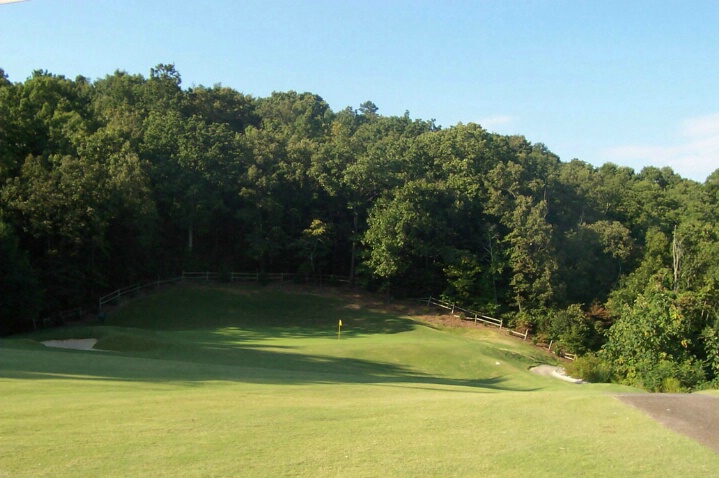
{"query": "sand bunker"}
(76, 344)
(556, 372)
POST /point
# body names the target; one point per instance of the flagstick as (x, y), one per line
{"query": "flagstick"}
(339, 330)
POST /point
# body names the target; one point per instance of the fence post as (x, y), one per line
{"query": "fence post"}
(429, 301)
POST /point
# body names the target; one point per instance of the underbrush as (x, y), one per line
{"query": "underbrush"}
(589, 368)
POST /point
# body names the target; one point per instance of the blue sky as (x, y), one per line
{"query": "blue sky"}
(630, 82)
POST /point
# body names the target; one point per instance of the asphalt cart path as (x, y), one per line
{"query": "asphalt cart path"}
(692, 414)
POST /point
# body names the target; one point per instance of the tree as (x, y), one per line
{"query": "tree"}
(650, 344)
(46, 115)
(571, 329)
(711, 185)
(222, 105)
(314, 245)
(20, 294)
(59, 203)
(300, 114)
(530, 255)
(407, 233)
(131, 249)
(369, 110)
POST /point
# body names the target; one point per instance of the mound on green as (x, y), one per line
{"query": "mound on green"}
(205, 381)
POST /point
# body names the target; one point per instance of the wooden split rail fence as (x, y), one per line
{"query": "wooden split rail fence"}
(466, 314)
(519, 334)
(114, 297)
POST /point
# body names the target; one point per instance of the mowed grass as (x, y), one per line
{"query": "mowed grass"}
(222, 381)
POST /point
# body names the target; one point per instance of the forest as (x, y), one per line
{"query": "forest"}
(111, 181)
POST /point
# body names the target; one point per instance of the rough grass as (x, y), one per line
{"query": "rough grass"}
(246, 382)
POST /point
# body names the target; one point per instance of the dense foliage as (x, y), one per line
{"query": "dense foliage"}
(128, 177)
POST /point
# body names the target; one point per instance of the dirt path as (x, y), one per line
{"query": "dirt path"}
(693, 415)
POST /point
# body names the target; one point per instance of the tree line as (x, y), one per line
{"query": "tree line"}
(128, 177)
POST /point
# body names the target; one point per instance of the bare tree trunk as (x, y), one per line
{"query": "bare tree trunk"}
(519, 303)
(491, 261)
(677, 253)
(354, 250)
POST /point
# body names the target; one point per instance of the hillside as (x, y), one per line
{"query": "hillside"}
(127, 178)
(219, 381)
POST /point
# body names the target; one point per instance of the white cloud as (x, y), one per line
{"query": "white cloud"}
(694, 153)
(702, 126)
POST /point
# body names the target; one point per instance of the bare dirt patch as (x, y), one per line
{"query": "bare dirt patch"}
(693, 415)
(441, 319)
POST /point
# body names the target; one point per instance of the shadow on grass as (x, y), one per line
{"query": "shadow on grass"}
(296, 314)
(197, 334)
(236, 364)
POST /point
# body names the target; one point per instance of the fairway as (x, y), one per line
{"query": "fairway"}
(223, 381)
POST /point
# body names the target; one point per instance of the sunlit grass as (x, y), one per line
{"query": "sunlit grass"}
(227, 396)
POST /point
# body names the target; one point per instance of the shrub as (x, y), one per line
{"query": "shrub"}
(590, 368)
(571, 327)
(671, 385)
(672, 377)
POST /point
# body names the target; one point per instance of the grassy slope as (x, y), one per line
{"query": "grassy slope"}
(246, 382)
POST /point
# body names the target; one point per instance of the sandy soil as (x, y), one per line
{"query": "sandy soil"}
(556, 372)
(77, 344)
(691, 414)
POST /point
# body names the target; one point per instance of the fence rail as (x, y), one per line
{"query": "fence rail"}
(115, 295)
(468, 314)
(200, 275)
(284, 277)
(519, 334)
(134, 289)
(257, 277)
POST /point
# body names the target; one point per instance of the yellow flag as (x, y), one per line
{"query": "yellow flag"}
(340, 322)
